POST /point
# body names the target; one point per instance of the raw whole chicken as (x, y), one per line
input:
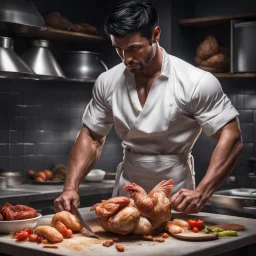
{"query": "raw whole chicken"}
(154, 206)
(117, 215)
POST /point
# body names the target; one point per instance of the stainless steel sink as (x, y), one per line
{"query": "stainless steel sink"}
(240, 192)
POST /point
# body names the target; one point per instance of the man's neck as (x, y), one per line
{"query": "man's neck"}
(155, 66)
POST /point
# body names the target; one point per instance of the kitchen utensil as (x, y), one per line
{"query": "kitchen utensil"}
(3, 183)
(199, 236)
(88, 231)
(81, 65)
(95, 175)
(12, 226)
(22, 14)
(13, 179)
(235, 227)
(39, 57)
(243, 40)
(10, 63)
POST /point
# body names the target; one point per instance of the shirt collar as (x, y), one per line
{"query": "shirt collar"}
(165, 69)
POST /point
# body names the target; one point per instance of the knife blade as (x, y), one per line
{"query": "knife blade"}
(88, 231)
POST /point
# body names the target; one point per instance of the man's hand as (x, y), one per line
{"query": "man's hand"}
(188, 201)
(63, 202)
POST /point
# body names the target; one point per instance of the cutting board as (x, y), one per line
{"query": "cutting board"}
(199, 236)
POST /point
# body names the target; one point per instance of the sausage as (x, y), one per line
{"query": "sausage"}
(172, 228)
(49, 233)
(181, 223)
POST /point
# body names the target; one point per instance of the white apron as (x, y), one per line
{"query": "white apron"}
(149, 170)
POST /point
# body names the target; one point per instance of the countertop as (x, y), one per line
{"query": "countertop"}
(27, 193)
(171, 246)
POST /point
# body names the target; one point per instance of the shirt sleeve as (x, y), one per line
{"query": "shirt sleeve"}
(98, 114)
(210, 106)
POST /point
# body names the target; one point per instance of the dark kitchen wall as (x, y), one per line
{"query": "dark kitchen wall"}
(40, 121)
(241, 91)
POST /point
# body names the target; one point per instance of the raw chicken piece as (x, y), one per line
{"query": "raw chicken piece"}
(155, 206)
(117, 215)
(68, 219)
(111, 206)
(49, 233)
(143, 227)
(121, 223)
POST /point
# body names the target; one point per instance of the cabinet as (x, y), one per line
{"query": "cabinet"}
(221, 26)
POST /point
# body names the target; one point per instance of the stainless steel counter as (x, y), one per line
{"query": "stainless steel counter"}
(171, 246)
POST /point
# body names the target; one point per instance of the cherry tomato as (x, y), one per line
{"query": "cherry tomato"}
(68, 233)
(22, 235)
(39, 239)
(195, 229)
(29, 230)
(33, 238)
(196, 223)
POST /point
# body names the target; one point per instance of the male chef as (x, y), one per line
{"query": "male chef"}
(158, 105)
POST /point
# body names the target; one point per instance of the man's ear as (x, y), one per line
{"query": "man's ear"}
(156, 34)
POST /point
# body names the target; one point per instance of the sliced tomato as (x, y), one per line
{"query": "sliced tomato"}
(22, 235)
(196, 223)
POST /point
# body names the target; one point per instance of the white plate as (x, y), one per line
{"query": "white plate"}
(95, 175)
(12, 226)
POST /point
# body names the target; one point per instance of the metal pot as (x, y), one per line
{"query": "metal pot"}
(81, 65)
(13, 179)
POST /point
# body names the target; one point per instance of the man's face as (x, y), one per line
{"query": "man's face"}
(135, 51)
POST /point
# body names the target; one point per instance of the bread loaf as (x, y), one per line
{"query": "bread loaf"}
(219, 60)
(84, 28)
(208, 47)
(55, 20)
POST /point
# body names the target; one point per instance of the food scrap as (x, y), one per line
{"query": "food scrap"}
(51, 246)
(108, 243)
(120, 248)
(165, 235)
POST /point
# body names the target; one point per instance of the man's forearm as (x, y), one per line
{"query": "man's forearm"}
(222, 161)
(84, 155)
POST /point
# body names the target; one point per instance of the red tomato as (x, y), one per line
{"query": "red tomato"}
(22, 235)
(196, 223)
(195, 229)
(29, 230)
(33, 238)
(39, 239)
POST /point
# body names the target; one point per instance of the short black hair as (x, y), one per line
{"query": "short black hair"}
(130, 16)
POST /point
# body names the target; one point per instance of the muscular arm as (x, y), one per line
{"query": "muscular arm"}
(83, 156)
(223, 159)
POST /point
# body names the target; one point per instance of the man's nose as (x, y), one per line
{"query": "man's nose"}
(127, 57)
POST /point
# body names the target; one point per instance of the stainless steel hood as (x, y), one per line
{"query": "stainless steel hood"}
(11, 65)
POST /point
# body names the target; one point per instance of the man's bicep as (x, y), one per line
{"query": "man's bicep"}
(93, 135)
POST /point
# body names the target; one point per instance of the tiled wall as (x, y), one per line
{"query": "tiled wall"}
(40, 121)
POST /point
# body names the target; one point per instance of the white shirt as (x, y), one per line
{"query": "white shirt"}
(183, 101)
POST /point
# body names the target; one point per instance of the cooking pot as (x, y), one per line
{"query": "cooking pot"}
(84, 65)
(13, 179)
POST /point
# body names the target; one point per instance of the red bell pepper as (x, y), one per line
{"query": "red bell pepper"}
(196, 223)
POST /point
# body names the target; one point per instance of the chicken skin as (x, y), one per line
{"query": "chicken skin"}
(154, 206)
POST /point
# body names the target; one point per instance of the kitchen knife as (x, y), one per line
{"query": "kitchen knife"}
(88, 231)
